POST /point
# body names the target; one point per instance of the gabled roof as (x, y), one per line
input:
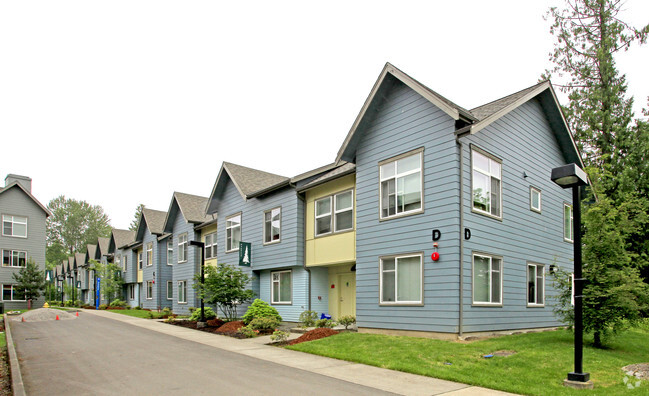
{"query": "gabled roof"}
(492, 111)
(153, 219)
(120, 238)
(21, 188)
(71, 264)
(91, 252)
(344, 169)
(191, 207)
(102, 247)
(389, 75)
(79, 260)
(249, 182)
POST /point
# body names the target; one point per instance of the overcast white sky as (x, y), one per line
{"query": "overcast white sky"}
(123, 102)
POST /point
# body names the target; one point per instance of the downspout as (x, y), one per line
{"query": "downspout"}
(461, 293)
(307, 269)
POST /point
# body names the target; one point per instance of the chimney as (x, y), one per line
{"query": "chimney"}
(25, 182)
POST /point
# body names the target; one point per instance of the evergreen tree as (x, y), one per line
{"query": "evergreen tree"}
(135, 223)
(31, 279)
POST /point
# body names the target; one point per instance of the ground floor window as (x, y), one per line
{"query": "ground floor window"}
(281, 287)
(182, 291)
(401, 279)
(535, 285)
(149, 290)
(170, 290)
(131, 291)
(487, 279)
(10, 293)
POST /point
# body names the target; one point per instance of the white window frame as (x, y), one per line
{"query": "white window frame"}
(337, 211)
(536, 281)
(333, 211)
(170, 251)
(315, 212)
(149, 254)
(491, 257)
(12, 219)
(396, 279)
(229, 230)
(170, 296)
(149, 290)
(140, 259)
(396, 177)
(571, 237)
(182, 248)
(490, 174)
(12, 293)
(12, 256)
(210, 246)
(182, 290)
(271, 213)
(124, 262)
(534, 190)
(131, 290)
(279, 282)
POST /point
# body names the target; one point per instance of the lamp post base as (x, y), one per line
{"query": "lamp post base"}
(578, 381)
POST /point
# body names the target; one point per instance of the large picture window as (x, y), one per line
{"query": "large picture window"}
(567, 223)
(281, 287)
(486, 179)
(210, 246)
(182, 248)
(535, 285)
(401, 186)
(15, 226)
(342, 219)
(232, 232)
(487, 279)
(401, 279)
(13, 258)
(272, 223)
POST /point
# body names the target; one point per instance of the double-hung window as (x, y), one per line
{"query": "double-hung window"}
(170, 290)
(182, 291)
(210, 246)
(15, 226)
(487, 279)
(13, 258)
(401, 279)
(232, 233)
(535, 199)
(131, 291)
(149, 254)
(567, 223)
(272, 224)
(170, 251)
(342, 206)
(182, 248)
(11, 293)
(149, 290)
(535, 285)
(401, 186)
(281, 287)
(139, 260)
(487, 186)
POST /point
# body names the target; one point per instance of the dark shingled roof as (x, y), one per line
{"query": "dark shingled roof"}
(341, 170)
(251, 181)
(155, 220)
(123, 237)
(102, 243)
(80, 259)
(487, 110)
(92, 252)
(192, 207)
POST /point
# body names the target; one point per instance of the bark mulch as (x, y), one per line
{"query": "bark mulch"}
(312, 335)
(229, 328)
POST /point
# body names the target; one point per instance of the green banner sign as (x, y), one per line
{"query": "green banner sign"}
(245, 254)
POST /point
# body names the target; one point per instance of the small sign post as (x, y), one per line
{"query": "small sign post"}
(245, 254)
(98, 290)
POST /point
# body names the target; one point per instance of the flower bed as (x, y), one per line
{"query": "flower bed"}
(314, 334)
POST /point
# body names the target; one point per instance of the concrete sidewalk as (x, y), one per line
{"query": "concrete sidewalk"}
(375, 377)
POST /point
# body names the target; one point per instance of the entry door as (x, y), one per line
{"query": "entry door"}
(347, 294)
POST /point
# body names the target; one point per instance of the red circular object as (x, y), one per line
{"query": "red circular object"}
(435, 256)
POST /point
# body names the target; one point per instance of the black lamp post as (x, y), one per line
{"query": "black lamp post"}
(62, 279)
(201, 245)
(568, 176)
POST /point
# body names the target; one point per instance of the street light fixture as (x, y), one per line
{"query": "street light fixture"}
(201, 245)
(572, 176)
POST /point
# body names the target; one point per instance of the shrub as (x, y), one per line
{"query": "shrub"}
(103, 306)
(260, 309)
(171, 319)
(327, 323)
(264, 324)
(247, 332)
(347, 320)
(209, 314)
(137, 308)
(166, 312)
(279, 336)
(117, 303)
(308, 318)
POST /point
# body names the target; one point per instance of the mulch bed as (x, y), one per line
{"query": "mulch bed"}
(229, 328)
(312, 335)
(5, 376)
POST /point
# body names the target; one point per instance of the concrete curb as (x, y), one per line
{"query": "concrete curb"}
(16, 377)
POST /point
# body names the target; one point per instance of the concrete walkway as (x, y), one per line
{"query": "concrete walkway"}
(375, 377)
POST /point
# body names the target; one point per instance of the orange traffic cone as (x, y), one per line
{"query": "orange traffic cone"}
(57, 317)
(23, 318)
(77, 313)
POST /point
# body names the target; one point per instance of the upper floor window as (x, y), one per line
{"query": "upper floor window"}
(342, 206)
(487, 193)
(535, 199)
(232, 232)
(272, 225)
(15, 226)
(487, 279)
(13, 258)
(118, 261)
(149, 253)
(182, 248)
(210, 246)
(170, 251)
(567, 223)
(140, 259)
(401, 186)
(125, 262)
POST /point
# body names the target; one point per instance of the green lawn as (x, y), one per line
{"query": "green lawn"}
(538, 368)
(138, 313)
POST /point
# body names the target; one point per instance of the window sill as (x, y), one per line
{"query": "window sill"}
(272, 242)
(568, 240)
(536, 210)
(180, 262)
(535, 305)
(401, 304)
(281, 303)
(398, 216)
(182, 303)
(15, 236)
(487, 305)
(477, 211)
